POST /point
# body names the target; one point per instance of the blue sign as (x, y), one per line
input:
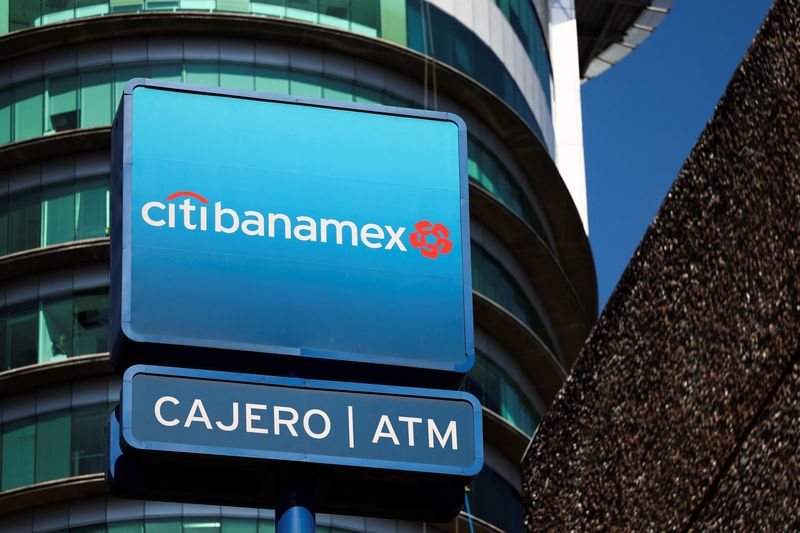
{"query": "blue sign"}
(289, 226)
(261, 417)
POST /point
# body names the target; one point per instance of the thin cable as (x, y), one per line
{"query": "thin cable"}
(469, 514)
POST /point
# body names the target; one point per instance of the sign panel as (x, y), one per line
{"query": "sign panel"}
(289, 226)
(267, 418)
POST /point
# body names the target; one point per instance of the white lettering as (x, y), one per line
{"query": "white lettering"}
(278, 421)
(287, 224)
(394, 238)
(187, 209)
(410, 420)
(257, 222)
(193, 417)
(146, 213)
(450, 432)
(157, 409)
(235, 423)
(253, 223)
(310, 226)
(323, 229)
(325, 420)
(371, 231)
(388, 432)
(218, 212)
(249, 417)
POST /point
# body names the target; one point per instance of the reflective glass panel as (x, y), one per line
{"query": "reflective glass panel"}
(58, 214)
(53, 446)
(239, 525)
(23, 14)
(55, 330)
(164, 525)
(5, 116)
(22, 325)
(91, 208)
(96, 106)
(91, 323)
(24, 221)
(88, 426)
(28, 110)
(19, 440)
(63, 105)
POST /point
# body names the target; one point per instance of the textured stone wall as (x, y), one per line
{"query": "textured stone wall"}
(683, 409)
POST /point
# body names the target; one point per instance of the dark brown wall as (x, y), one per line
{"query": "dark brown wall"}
(683, 410)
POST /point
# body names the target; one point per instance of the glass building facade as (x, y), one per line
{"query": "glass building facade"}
(491, 64)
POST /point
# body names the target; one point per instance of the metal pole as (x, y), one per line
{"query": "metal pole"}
(294, 513)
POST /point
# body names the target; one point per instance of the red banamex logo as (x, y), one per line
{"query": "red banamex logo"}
(438, 232)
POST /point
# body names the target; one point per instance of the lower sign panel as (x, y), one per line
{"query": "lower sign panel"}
(372, 449)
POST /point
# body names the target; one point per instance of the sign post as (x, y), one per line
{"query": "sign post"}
(294, 512)
(286, 274)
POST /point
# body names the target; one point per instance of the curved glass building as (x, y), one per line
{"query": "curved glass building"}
(508, 67)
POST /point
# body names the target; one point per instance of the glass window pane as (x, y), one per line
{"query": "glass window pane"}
(167, 71)
(202, 74)
(240, 6)
(121, 77)
(24, 222)
(129, 526)
(87, 435)
(22, 326)
(96, 98)
(306, 10)
(23, 14)
(19, 438)
(368, 96)
(337, 90)
(97, 528)
(160, 4)
(3, 225)
(58, 213)
(126, 6)
(52, 446)
(198, 5)
(237, 77)
(63, 105)
(57, 10)
(272, 8)
(91, 208)
(90, 8)
(4, 362)
(393, 18)
(163, 525)
(302, 84)
(201, 525)
(91, 323)
(366, 17)
(55, 330)
(28, 110)
(335, 13)
(266, 525)
(272, 80)
(5, 116)
(239, 525)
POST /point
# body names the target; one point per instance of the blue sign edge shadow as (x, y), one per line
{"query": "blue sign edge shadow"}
(125, 340)
(126, 416)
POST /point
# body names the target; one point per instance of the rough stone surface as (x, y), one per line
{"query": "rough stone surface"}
(759, 492)
(682, 409)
